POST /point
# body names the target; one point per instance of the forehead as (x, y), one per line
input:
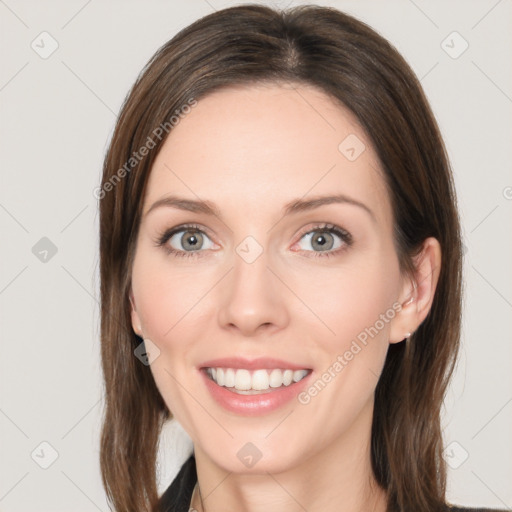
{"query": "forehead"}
(256, 147)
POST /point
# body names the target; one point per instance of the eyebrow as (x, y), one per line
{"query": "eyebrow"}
(295, 206)
(300, 205)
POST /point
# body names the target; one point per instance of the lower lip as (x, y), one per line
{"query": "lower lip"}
(253, 405)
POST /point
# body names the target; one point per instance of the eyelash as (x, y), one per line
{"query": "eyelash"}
(344, 235)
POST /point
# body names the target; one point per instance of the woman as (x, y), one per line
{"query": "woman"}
(280, 271)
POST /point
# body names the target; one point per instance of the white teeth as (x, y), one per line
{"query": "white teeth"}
(242, 380)
(229, 378)
(257, 380)
(220, 377)
(276, 378)
(260, 380)
(299, 375)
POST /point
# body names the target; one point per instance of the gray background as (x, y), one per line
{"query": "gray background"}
(57, 114)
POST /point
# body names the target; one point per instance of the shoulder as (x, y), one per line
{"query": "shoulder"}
(177, 496)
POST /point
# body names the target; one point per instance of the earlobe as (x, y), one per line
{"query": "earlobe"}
(403, 325)
(418, 292)
(136, 324)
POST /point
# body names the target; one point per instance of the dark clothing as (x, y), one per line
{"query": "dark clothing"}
(177, 496)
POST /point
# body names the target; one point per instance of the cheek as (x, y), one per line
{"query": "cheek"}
(338, 303)
(170, 304)
(350, 301)
(167, 298)
(357, 306)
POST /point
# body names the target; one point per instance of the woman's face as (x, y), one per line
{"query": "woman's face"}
(266, 280)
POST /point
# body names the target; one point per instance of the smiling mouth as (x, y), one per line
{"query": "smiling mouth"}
(253, 382)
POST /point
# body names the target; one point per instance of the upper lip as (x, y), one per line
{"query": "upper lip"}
(252, 364)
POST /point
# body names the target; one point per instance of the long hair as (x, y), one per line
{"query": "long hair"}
(361, 70)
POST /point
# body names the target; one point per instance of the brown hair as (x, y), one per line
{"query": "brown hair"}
(353, 64)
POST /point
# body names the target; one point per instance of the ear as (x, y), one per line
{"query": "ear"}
(136, 323)
(417, 293)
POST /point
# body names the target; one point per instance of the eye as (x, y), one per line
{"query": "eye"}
(190, 240)
(325, 240)
(184, 241)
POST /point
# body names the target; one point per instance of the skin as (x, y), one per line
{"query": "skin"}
(251, 150)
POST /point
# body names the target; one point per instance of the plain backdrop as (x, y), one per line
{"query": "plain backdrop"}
(66, 67)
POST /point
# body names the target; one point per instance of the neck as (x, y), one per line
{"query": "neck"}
(337, 479)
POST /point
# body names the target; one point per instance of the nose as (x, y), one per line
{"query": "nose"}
(253, 299)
